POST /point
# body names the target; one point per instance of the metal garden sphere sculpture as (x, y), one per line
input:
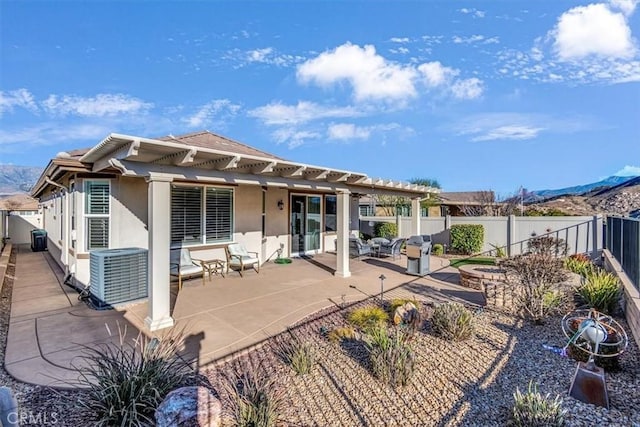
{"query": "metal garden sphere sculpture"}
(596, 334)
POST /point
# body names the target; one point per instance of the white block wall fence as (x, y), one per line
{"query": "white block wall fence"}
(582, 234)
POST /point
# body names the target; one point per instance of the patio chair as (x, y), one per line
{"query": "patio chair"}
(358, 248)
(239, 258)
(183, 266)
(391, 248)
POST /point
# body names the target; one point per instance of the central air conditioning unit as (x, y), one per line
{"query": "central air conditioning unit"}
(119, 275)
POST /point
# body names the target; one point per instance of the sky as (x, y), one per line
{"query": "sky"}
(479, 95)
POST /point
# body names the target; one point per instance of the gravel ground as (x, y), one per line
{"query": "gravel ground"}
(469, 383)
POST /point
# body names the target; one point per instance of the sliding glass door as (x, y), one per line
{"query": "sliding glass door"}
(306, 224)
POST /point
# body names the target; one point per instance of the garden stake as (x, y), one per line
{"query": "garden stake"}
(382, 277)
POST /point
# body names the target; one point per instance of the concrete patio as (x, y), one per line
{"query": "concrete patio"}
(49, 325)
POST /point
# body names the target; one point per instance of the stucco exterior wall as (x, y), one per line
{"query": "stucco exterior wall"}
(20, 227)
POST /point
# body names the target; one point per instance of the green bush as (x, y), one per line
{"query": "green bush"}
(255, 397)
(438, 249)
(391, 356)
(385, 229)
(539, 282)
(600, 290)
(368, 317)
(532, 409)
(452, 321)
(127, 381)
(301, 356)
(579, 264)
(467, 238)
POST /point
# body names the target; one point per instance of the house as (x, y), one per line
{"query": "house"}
(468, 203)
(19, 214)
(201, 191)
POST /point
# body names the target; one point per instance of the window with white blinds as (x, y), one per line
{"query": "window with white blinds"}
(201, 215)
(96, 211)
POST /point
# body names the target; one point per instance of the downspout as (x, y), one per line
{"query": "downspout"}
(65, 237)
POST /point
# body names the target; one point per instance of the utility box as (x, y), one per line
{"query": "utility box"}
(38, 240)
(418, 250)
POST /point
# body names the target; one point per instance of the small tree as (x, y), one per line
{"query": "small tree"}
(538, 281)
(467, 238)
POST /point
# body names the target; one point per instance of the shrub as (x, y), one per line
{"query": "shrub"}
(548, 245)
(452, 321)
(127, 381)
(368, 317)
(467, 238)
(438, 249)
(343, 333)
(299, 355)
(534, 409)
(537, 280)
(385, 229)
(499, 250)
(579, 264)
(255, 398)
(391, 356)
(600, 290)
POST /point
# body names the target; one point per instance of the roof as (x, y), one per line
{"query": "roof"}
(465, 197)
(206, 139)
(19, 202)
(207, 157)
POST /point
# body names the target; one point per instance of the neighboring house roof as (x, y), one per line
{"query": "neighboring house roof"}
(465, 197)
(19, 202)
(223, 160)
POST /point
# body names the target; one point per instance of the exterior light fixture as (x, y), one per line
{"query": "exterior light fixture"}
(280, 204)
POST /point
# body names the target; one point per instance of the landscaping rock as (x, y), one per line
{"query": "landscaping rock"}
(406, 314)
(189, 407)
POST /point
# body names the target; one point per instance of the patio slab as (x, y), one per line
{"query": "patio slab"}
(49, 327)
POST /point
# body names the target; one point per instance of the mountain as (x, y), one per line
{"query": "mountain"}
(17, 179)
(607, 183)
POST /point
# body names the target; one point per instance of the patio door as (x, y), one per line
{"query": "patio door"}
(306, 222)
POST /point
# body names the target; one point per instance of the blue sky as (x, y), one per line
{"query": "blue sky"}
(479, 95)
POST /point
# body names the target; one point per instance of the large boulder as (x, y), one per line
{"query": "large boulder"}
(189, 407)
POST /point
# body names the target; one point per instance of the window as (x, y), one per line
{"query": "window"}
(330, 210)
(201, 215)
(96, 210)
(366, 210)
(264, 213)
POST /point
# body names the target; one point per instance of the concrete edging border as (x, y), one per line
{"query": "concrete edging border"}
(631, 295)
(4, 262)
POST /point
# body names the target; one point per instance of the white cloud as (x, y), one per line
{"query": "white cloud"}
(259, 55)
(399, 39)
(476, 38)
(473, 12)
(281, 114)
(370, 75)
(294, 137)
(436, 74)
(517, 132)
(468, 88)
(347, 131)
(52, 133)
(20, 98)
(628, 171)
(401, 50)
(373, 77)
(501, 126)
(102, 105)
(214, 112)
(592, 30)
(626, 6)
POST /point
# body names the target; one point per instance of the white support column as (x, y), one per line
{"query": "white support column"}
(415, 217)
(343, 217)
(159, 199)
